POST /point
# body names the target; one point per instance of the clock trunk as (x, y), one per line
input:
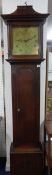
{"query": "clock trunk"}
(26, 103)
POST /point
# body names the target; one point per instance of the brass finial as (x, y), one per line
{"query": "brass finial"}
(26, 3)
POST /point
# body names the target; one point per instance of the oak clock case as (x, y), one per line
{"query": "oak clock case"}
(25, 54)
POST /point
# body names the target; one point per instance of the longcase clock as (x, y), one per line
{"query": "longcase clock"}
(25, 54)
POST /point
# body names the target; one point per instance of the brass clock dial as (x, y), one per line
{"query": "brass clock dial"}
(25, 40)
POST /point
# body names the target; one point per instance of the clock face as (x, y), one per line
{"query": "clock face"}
(25, 40)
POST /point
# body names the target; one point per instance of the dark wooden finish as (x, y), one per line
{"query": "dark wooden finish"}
(48, 125)
(26, 160)
(25, 59)
(26, 103)
(24, 13)
(26, 154)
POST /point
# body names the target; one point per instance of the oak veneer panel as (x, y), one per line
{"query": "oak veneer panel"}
(26, 103)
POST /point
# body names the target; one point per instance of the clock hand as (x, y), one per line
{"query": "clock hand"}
(26, 40)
